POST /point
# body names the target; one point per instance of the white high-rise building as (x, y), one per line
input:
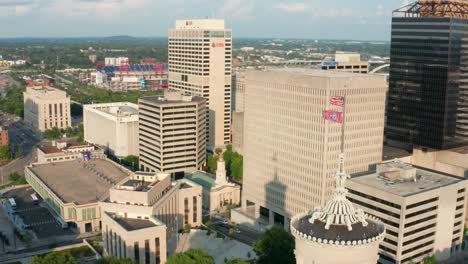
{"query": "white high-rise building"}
(200, 63)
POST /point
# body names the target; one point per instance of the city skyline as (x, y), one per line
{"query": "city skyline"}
(307, 19)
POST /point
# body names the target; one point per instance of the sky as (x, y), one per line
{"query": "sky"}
(304, 19)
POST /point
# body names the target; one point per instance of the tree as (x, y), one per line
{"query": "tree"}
(5, 152)
(212, 163)
(237, 166)
(14, 176)
(187, 228)
(430, 260)
(114, 260)
(191, 256)
(53, 133)
(131, 160)
(54, 258)
(276, 246)
(235, 261)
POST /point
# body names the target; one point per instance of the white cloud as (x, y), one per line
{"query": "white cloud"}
(22, 10)
(238, 9)
(293, 7)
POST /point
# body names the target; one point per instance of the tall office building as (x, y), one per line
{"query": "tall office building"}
(427, 102)
(46, 107)
(200, 61)
(290, 151)
(172, 133)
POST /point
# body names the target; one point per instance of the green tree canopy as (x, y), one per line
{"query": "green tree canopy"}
(430, 260)
(234, 163)
(276, 246)
(211, 162)
(191, 256)
(53, 133)
(54, 258)
(4, 152)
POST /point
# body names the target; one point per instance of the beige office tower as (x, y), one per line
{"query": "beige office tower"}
(200, 61)
(172, 131)
(290, 151)
(46, 107)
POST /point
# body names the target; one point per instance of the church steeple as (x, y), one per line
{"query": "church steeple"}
(221, 171)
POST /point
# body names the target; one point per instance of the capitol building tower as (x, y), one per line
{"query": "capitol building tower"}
(337, 233)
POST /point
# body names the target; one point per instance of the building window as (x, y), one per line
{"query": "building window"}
(136, 252)
(147, 252)
(158, 251)
(186, 211)
(194, 209)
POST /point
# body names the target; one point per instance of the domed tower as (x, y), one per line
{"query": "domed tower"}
(221, 171)
(337, 233)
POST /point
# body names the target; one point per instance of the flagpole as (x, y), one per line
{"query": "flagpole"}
(343, 124)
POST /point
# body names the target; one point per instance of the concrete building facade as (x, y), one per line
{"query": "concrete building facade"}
(423, 210)
(144, 211)
(46, 107)
(114, 126)
(289, 148)
(238, 132)
(200, 63)
(172, 133)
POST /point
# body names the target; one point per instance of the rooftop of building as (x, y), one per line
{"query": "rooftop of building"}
(200, 24)
(338, 232)
(51, 149)
(391, 153)
(45, 91)
(172, 97)
(202, 178)
(80, 182)
(404, 179)
(321, 74)
(132, 224)
(120, 109)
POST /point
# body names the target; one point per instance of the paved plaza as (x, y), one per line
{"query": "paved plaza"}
(219, 248)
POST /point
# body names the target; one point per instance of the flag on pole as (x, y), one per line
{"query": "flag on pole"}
(333, 116)
(337, 100)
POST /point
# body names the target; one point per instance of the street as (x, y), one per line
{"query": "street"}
(243, 235)
(22, 139)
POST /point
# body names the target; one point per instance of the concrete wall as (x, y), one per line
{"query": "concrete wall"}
(120, 243)
(290, 150)
(308, 252)
(120, 135)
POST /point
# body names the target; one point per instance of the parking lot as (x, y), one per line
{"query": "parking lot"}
(36, 217)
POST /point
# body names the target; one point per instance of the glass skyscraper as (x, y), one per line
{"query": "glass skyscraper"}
(428, 87)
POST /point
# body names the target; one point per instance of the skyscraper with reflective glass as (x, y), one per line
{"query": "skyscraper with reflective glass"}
(428, 91)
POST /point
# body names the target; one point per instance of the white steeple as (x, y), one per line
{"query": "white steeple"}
(221, 171)
(339, 210)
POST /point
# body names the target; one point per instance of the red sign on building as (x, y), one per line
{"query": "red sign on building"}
(217, 45)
